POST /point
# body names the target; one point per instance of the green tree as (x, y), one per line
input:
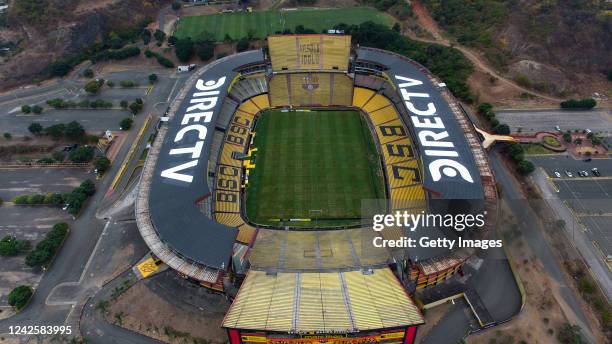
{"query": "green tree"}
(135, 107)
(88, 73)
(502, 129)
(26, 109)
(152, 78)
(124, 104)
(20, 296)
(102, 164)
(74, 131)
(93, 87)
(515, 151)
(81, 154)
(525, 167)
(146, 37)
(37, 109)
(205, 50)
(88, 187)
(567, 137)
(126, 123)
(8, 136)
(56, 131)
(176, 5)
(10, 246)
(184, 49)
(159, 36)
(243, 44)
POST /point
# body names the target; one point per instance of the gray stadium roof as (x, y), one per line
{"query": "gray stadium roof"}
(448, 187)
(172, 203)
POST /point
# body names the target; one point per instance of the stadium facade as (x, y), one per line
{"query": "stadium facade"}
(317, 285)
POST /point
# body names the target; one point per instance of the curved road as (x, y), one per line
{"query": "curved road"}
(429, 24)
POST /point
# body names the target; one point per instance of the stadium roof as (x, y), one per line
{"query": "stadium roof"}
(333, 302)
(422, 94)
(173, 203)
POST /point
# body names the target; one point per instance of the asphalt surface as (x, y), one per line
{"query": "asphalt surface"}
(73, 261)
(532, 231)
(15, 182)
(534, 120)
(562, 162)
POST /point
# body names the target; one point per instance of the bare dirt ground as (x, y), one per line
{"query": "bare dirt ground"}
(542, 315)
(145, 311)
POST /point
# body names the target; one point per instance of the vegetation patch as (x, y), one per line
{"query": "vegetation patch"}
(20, 296)
(264, 23)
(551, 141)
(46, 250)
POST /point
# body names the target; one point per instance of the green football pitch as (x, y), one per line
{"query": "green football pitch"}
(316, 165)
(265, 23)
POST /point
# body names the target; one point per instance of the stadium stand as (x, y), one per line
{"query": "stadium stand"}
(311, 89)
(292, 53)
(319, 302)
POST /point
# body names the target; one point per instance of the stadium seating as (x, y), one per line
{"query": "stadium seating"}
(228, 171)
(311, 89)
(308, 52)
(400, 162)
(247, 87)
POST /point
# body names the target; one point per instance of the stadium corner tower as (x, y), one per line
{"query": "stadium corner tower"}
(294, 280)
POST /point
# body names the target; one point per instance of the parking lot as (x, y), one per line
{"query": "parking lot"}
(590, 198)
(531, 121)
(15, 182)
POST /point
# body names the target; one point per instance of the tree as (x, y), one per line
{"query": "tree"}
(243, 44)
(152, 78)
(81, 154)
(37, 109)
(146, 37)
(10, 246)
(74, 131)
(502, 129)
(397, 27)
(135, 107)
(26, 109)
(88, 187)
(88, 73)
(515, 151)
(20, 296)
(126, 123)
(176, 5)
(124, 104)
(93, 87)
(35, 128)
(60, 68)
(159, 36)
(205, 50)
(184, 49)
(567, 137)
(8, 136)
(56, 131)
(525, 167)
(102, 164)
(172, 40)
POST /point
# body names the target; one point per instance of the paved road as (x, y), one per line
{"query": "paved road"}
(72, 261)
(580, 239)
(532, 230)
(533, 120)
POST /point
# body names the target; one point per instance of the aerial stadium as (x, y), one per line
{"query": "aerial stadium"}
(266, 169)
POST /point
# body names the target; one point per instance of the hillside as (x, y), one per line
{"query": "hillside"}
(546, 45)
(39, 32)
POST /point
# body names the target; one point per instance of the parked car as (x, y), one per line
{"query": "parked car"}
(583, 173)
(569, 173)
(557, 174)
(595, 172)
(557, 128)
(587, 160)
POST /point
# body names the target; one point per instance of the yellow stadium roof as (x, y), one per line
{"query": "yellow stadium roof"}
(321, 302)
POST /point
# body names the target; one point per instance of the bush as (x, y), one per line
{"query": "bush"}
(10, 246)
(525, 167)
(81, 154)
(118, 54)
(128, 83)
(159, 35)
(8, 136)
(102, 164)
(135, 107)
(57, 103)
(35, 128)
(110, 83)
(502, 129)
(20, 296)
(243, 44)
(126, 123)
(26, 109)
(88, 73)
(205, 50)
(149, 53)
(47, 248)
(585, 104)
(164, 61)
(93, 87)
(570, 334)
(176, 5)
(152, 78)
(37, 109)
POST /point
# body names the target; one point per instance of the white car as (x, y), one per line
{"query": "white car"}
(557, 174)
(569, 174)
